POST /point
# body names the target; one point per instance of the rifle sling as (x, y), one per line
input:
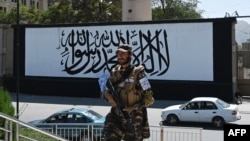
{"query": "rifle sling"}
(117, 91)
(124, 75)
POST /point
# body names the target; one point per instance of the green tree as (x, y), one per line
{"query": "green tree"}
(66, 11)
(82, 11)
(27, 15)
(60, 12)
(6, 103)
(112, 11)
(6, 107)
(97, 10)
(8, 18)
(175, 9)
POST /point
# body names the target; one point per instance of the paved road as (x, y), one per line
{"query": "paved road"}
(38, 107)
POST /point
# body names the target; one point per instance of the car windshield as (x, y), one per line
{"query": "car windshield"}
(222, 103)
(93, 115)
(183, 105)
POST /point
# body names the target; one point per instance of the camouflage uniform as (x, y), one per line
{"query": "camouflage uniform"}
(132, 94)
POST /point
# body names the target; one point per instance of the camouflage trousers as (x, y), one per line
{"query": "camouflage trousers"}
(116, 128)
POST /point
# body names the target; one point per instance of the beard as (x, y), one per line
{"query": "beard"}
(125, 61)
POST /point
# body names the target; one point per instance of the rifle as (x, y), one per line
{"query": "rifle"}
(116, 93)
(116, 97)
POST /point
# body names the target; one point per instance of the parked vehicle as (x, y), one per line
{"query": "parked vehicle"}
(201, 109)
(76, 124)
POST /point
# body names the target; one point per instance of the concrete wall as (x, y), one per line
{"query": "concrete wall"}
(6, 51)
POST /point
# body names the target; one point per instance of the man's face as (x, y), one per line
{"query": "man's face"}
(123, 57)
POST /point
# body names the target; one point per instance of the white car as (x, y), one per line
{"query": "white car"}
(201, 109)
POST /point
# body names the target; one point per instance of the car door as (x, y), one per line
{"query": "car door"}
(70, 128)
(207, 111)
(59, 124)
(190, 112)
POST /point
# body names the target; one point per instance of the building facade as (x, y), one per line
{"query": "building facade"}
(7, 5)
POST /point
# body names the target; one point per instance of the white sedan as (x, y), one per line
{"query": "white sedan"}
(201, 109)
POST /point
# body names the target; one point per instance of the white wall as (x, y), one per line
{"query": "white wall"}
(170, 51)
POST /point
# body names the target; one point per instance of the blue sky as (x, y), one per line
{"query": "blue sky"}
(218, 8)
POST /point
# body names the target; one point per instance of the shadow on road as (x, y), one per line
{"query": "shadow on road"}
(29, 98)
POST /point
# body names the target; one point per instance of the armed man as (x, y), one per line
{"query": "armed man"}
(129, 93)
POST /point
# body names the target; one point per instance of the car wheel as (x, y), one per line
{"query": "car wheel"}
(172, 119)
(218, 121)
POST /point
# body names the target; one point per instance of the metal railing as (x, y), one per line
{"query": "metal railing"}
(170, 133)
(92, 132)
(9, 131)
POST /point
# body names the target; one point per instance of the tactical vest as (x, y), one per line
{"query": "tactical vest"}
(130, 90)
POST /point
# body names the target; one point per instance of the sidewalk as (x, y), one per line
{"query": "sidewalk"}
(29, 98)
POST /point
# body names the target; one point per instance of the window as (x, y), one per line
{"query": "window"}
(208, 105)
(80, 119)
(192, 106)
(24, 2)
(56, 119)
(4, 9)
(32, 2)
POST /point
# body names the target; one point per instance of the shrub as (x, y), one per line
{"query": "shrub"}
(6, 106)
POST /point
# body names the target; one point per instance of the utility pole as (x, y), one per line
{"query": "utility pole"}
(17, 57)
